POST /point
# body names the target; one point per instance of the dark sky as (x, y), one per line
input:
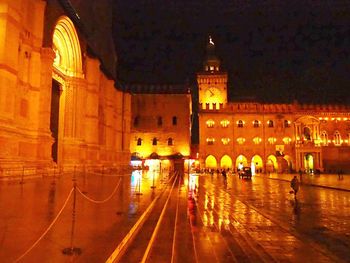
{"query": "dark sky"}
(272, 50)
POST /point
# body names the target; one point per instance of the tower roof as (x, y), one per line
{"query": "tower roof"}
(211, 62)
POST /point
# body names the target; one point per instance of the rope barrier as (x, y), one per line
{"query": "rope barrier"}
(100, 201)
(48, 229)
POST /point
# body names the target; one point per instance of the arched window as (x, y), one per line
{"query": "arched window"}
(210, 141)
(170, 141)
(324, 138)
(240, 124)
(270, 123)
(257, 140)
(256, 124)
(225, 123)
(139, 141)
(287, 140)
(136, 121)
(337, 138)
(271, 140)
(174, 120)
(286, 123)
(225, 141)
(154, 141)
(210, 123)
(160, 121)
(240, 140)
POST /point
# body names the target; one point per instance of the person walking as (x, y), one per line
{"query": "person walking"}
(294, 184)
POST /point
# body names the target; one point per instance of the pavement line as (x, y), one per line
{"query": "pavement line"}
(118, 252)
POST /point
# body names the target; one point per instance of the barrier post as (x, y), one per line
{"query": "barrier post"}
(22, 177)
(71, 250)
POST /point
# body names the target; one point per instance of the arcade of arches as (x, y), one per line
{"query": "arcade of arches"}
(272, 164)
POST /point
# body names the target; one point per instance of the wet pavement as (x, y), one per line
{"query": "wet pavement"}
(207, 219)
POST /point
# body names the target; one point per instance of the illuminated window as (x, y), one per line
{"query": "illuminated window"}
(240, 140)
(287, 140)
(211, 68)
(224, 123)
(136, 121)
(210, 123)
(240, 124)
(139, 141)
(270, 124)
(286, 123)
(154, 141)
(225, 141)
(257, 140)
(324, 138)
(210, 141)
(337, 138)
(271, 140)
(174, 120)
(256, 124)
(170, 141)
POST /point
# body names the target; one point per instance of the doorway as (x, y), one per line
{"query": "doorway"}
(54, 118)
(309, 163)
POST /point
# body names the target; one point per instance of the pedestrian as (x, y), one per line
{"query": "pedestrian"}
(294, 184)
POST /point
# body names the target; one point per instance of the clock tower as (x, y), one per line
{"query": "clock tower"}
(212, 82)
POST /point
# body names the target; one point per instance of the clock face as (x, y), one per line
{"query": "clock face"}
(211, 92)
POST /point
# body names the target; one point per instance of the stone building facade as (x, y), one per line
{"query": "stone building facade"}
(161, 124)
(60, 103)
(267, 137)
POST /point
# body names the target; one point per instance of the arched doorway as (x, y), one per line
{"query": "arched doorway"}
(241, 162)
(257, 164)
(308, 162)
(226, 162)
(67, 67)
(289, 163)
(210, 162)
(271, 164)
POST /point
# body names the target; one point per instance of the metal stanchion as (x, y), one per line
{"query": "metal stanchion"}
(71, 250)
(153, 186)
(22, 177)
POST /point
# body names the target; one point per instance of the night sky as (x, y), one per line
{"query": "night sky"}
(274, 51)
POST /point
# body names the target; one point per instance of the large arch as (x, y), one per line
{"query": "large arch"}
(241, 161)
(257, 164)
(226, 162)
(271, 163)
(67, 48)
(65, 110)
(289, 161)
(210, 162)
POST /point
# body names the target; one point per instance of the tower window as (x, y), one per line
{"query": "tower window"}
(139, 141)
(256, 124)
(154, 141)
(174, 120)
(170, 141)
(240, 124)
(270, 124)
